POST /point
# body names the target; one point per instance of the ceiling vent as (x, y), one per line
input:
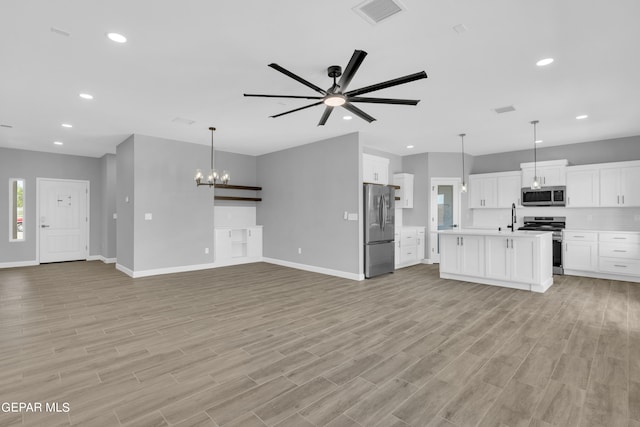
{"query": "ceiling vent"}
(183, 121)
(507, 109)
(376, 11)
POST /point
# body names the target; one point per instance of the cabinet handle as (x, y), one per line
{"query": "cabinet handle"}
(578, 236)
(568, 200)
(507, 243)
(620, 238)
(457, 241)
(462, 241)
(618, 265)
(566, 247)
(623, 199)
(249, 233)
(618, 250)
(618, 199)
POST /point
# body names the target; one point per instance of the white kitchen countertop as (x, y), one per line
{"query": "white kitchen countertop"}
(486, 232)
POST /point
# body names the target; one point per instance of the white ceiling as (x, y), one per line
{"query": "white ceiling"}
(195, 58)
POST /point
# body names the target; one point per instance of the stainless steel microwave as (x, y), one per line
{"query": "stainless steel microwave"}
(546, 196)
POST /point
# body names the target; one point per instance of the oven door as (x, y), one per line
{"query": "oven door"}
(557, 256)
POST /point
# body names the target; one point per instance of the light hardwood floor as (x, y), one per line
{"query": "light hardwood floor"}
(259, 344)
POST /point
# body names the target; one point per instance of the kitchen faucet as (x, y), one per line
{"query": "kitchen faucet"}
(513, 218)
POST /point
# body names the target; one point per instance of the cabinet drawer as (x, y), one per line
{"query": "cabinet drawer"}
(618, 250)
(408, 254)
(620, 266)
(620, 237)
(408, 238)
(584, 236)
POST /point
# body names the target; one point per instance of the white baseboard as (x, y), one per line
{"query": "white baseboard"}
(18, 264)
(314, 269)
(124, 269)
(101, 258)
(168, 270)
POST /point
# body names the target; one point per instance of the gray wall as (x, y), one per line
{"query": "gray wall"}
(30, 165)
(125, 190)
(182, 224)
(108, 207)
(306, 191)
(243, 171)
(610, 150)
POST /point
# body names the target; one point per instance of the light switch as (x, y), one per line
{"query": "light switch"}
(353, 216)
(148, 217)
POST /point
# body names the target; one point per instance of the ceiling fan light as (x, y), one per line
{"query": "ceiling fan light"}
(335, 100)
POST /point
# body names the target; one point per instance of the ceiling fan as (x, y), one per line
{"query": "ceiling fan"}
(337, 95)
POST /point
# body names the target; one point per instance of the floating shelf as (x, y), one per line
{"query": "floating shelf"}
(237, 187)
(243, 199)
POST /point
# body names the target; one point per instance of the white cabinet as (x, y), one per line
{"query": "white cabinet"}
(509, 258)
(409, 246)
(619, 253)
(494, 190)
(580, 251)
(405, 193)
(550, 173)
(235, 245)
(375, 169)
(509, 189)
(483, 191)
(618, 184)
(462, 255)
(583, 186)
(396, 248)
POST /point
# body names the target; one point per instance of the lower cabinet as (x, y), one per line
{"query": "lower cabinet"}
(409, 246)
(511, 258)
(580, 251)
(237, 245)
(462, 255)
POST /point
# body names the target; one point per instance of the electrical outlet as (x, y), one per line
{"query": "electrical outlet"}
(206, 250)
(346, 215)
(299, 251)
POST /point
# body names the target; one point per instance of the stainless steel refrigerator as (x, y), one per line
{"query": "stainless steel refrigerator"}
(379, 205)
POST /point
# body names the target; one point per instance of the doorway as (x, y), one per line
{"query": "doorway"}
(444, 211)
(63, 220)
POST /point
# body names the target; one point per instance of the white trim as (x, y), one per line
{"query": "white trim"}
(158, 271)
(606, 276)
(314, 269)
(88, 212)
(101, 258)
(533, 287)
(18, 264)
(237, 261)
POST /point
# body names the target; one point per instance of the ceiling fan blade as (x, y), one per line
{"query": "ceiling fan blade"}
(384, 100)
(297, 109)
(358, 112)
(353, 65)
(298, 78)
(388, 83)
(283, 96)
(325, 115)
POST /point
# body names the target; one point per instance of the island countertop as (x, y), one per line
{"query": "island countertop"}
(493, 232)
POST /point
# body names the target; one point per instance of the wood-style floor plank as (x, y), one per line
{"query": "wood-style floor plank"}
(264, 345)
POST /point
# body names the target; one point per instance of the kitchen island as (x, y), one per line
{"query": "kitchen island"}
(518, 259)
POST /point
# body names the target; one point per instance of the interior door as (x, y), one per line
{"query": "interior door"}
(444, 211)
(63, 220)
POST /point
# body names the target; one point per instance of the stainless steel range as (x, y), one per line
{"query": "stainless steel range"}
(555, 224)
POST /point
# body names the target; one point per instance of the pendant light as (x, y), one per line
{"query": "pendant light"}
(535, 185)
(213, 176)
(463, 189)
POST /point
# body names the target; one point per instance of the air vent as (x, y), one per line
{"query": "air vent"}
(60, 32)
(183, 121)
(376, 11)
(506, 109)
(460, 28)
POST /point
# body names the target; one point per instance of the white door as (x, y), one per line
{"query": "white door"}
(63, 220)
(445, 211)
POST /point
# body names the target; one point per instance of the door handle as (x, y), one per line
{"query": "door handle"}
(44, 226)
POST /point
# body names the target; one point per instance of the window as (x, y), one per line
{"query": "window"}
(16, 210)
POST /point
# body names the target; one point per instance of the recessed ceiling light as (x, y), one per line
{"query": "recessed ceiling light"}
(409, 146)
(543, 62)
(581, 117)
(86, 96)
(118, 38)
(538, 141)
(66, 125)
(58, 143)
(347, 117)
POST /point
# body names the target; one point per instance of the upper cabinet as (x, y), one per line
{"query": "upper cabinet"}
(550, 173)
(405, 193)
(494, 190)
(583, 186)
(618, 184)
(375, 169)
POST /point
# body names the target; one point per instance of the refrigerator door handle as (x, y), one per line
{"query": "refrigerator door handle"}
(384, 212)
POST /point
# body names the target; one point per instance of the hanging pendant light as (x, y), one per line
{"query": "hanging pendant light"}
(535, 185)
(213, 176)
(463, 189)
